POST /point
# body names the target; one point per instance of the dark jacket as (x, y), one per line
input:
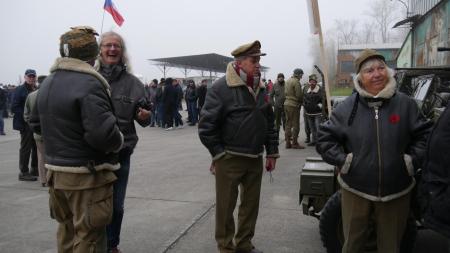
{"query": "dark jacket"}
(3, 100)
(74, 116)
(18, 105)
(374, 147)
(436, 176)
(126, 93)
(235, 121)
(201, 93)
(191, 94)
(314, 100)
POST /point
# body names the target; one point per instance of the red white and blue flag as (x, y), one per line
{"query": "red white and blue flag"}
(111, 8)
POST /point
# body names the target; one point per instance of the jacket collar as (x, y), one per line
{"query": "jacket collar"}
(234, 80)
(315, 90)
(385, 93)
(72, 64)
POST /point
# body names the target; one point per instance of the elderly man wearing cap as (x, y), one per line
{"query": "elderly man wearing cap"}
(73, 113)
(314, 104)
(377, 139)
(27, 144)
(236, 123)
(293, 103)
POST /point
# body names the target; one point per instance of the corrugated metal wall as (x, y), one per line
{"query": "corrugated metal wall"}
(421, 6)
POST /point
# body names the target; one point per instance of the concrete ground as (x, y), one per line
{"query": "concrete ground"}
(170, 202)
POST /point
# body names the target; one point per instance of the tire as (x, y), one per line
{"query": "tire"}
(330, 224)
(332, 236)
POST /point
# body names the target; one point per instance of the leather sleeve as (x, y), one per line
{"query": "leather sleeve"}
(99, 122)
(271, 143)
(209, 126)
(330, 139)
(420, 129)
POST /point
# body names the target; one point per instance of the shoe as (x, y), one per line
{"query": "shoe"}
(295, 145)
(115, 250)
(169, 128)
(43, 184)
(308, 140)
(254, 250)
(3, 133)
(312, 144)
(191, 124)
(26, 177)
(180, 127)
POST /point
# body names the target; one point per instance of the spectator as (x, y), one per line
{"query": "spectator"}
(191, 99)
(292, 105)
(314, 103)
(201, 93)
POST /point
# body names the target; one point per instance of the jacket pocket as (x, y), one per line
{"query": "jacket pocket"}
(59, 210)
(409, 164)
(348, 161)
(100, 208)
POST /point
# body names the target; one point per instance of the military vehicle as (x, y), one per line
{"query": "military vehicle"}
(319, 193)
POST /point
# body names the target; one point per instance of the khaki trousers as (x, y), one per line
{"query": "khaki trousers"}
(82, 216)
(390, 221)
(41, 162)
(232, 172)
(292, 127)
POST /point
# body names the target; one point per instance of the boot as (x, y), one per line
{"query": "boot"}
(308, 139)
(288, 142)
(295, 145)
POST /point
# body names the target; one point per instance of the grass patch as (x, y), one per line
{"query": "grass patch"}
(341, 91)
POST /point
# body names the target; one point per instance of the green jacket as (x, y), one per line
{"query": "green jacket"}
(277, 96)
(30, 102)
(293, 92)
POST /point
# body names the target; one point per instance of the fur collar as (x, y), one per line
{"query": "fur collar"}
(315, 90)
(72, 64)
(234, 80)
(386, 93)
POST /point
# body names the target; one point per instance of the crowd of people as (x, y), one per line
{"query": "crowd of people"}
(78, 129)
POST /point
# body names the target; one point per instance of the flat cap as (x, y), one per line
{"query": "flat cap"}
(365, 55)
(250, 49)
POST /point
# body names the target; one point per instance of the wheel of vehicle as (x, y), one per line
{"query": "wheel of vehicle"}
(332, 235)
(330, 224)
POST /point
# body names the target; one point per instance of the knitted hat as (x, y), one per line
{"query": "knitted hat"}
(79, 43)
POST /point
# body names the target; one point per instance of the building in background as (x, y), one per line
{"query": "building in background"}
(348, 53)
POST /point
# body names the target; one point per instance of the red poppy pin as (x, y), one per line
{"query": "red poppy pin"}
(394, 118)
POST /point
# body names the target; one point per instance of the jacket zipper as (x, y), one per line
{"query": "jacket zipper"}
(379, 151)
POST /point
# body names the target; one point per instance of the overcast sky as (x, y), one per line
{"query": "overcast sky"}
(30, 30)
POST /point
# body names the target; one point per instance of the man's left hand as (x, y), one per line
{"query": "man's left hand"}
(143, 114)
(270, 164)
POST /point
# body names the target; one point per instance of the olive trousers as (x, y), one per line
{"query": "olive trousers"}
(292, 127)
(234, 173)
(82, 214)
(390, 220)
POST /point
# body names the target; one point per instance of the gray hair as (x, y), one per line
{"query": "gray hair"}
(125, 60)
(370, 63)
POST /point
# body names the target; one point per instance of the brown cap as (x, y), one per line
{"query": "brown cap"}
(365, 55)
(250, 49)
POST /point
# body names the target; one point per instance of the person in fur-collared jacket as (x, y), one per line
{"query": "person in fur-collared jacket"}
(236, 124)
(73, 113)
(377, 139)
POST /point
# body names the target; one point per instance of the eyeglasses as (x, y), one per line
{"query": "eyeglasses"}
(110, 45)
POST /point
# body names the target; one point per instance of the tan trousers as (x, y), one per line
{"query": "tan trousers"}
(82, 216)
(292, 127)
(41, 162)
(390, 220)
(233, 172)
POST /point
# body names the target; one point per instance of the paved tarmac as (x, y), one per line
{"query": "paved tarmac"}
(170, 202)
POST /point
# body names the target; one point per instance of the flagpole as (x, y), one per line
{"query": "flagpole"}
(103, 19)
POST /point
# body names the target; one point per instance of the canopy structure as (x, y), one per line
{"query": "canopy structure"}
(212, 63)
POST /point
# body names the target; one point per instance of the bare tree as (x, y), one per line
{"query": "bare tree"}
(346, 30)
(384, 13)
(366, 33)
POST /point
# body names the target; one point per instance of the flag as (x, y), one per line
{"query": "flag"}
(109, 7)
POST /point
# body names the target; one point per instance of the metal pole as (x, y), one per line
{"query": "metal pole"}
(315, 9)
(103, 19)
